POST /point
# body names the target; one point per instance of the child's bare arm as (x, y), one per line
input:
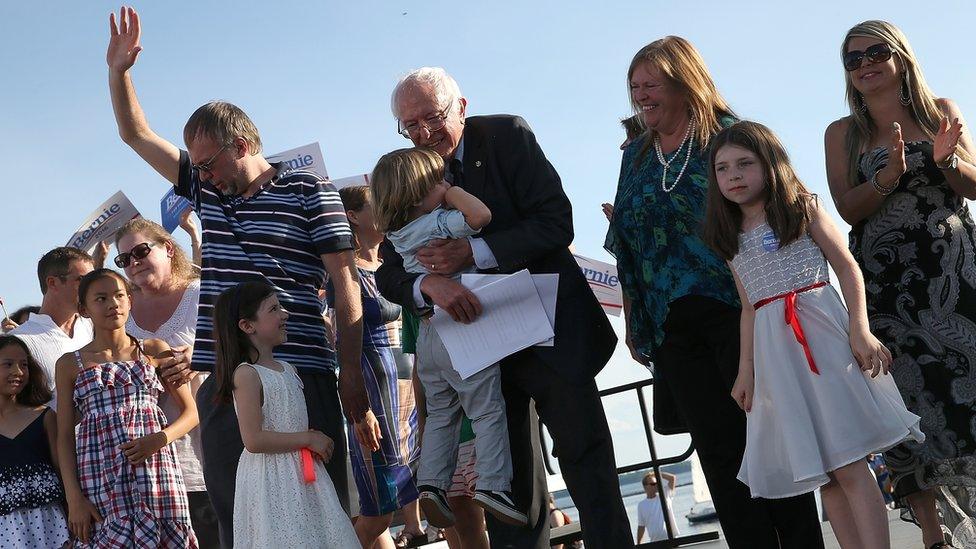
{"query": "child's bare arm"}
(247, 396)
(188, 418)
(476, 214)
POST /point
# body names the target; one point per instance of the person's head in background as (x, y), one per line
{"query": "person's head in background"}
(632, 128)
(59, 272)
(21, 315)
(650, 484)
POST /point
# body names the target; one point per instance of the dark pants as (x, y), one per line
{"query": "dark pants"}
(204, 520)
(700, 359)
(222, 445)
(575, 418)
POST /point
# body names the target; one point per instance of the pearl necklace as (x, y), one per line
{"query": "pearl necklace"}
(666, 163)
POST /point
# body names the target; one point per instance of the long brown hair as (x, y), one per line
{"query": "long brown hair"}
(36, 391)
(925, 111)
(232, 345)
(787, 198)
(684, 67)
(180, 265)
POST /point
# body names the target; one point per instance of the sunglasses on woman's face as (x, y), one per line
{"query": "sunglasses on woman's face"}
(139, 251)
(878, 53)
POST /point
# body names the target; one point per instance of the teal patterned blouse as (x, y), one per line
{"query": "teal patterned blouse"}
(655, 237)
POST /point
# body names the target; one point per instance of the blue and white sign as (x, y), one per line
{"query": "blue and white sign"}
(171, 208)
(770, 243)
(307, 157)
(604, 282)
(103, 222)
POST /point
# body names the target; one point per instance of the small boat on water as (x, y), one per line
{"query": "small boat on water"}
(703, 510)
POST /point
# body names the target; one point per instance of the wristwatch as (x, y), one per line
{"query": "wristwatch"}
(951, 163)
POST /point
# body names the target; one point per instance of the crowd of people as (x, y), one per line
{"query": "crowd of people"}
(216, 401)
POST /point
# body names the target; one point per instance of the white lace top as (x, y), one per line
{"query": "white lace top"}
(766, 270)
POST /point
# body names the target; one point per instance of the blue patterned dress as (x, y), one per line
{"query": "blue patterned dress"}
(655, 237)
(385, 478)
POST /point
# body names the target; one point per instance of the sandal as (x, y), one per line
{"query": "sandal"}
(409, 539)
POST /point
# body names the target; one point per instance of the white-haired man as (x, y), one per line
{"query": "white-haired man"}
(497, 159)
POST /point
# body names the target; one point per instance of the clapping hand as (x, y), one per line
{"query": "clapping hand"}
(947, 140)
(897, 166)
(123, 46)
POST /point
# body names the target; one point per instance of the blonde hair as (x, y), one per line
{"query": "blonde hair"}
(924, 110)
(181, 268)
(401, 180)
(684, 68)
(222, 122)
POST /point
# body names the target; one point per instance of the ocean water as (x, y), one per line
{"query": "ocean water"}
(633, 493)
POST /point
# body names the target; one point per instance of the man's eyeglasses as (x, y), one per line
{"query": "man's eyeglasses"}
(208, 165)
(140, 251)
(878, 53)
(432, 124)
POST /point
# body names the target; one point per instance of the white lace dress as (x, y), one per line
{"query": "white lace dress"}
(273, 507)
(802, 424)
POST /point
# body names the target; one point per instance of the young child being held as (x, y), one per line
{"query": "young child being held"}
(412, 205)
(808, 370)
(30, 489)
(274, 504)
(120, 472)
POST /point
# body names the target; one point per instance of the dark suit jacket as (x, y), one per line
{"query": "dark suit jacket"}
(531, 228)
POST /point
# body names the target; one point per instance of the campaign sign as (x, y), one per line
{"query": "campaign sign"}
(307, 157)
(351, 181)
(604, 282)
(103, 222)
(171, 208)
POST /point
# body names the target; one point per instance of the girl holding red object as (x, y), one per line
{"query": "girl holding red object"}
(812, 378)
(274, 505)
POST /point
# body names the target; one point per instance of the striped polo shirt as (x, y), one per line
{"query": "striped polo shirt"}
(276, 235)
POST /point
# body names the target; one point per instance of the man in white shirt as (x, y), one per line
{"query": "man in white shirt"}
(650, 517)
(57, 328)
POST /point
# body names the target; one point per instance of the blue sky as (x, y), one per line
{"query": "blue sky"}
(323, 71)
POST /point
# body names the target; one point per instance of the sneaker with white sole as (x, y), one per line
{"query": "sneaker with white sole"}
(433, 502)
(500, 505)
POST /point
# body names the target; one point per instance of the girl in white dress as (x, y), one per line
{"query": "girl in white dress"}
(812, 379)
(274, 505)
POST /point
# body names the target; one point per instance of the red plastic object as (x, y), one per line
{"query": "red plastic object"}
(308, 466)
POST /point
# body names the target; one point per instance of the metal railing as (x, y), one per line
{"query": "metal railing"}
(654, 463)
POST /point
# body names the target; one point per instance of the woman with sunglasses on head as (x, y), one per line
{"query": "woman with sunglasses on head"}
(900, 167)
(164, 306)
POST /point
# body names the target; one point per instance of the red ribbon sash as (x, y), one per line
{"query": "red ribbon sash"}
(793, 320)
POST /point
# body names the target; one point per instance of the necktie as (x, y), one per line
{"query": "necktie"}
(457, 173)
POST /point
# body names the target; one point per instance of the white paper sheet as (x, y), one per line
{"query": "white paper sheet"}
(546, 284)
(512, 319)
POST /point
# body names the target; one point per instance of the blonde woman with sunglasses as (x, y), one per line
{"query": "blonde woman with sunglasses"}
(900, 169)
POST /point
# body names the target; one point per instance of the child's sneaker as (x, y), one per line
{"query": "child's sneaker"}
(500, 504)
(433, 502)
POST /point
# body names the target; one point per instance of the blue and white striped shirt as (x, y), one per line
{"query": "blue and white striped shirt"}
(276, 235)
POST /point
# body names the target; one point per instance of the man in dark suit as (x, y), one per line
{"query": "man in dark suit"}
(496, 158)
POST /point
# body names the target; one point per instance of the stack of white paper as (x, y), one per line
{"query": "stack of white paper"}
(517, 311)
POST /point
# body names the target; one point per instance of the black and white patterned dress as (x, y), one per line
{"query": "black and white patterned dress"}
(918, 257)
(30, 491)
